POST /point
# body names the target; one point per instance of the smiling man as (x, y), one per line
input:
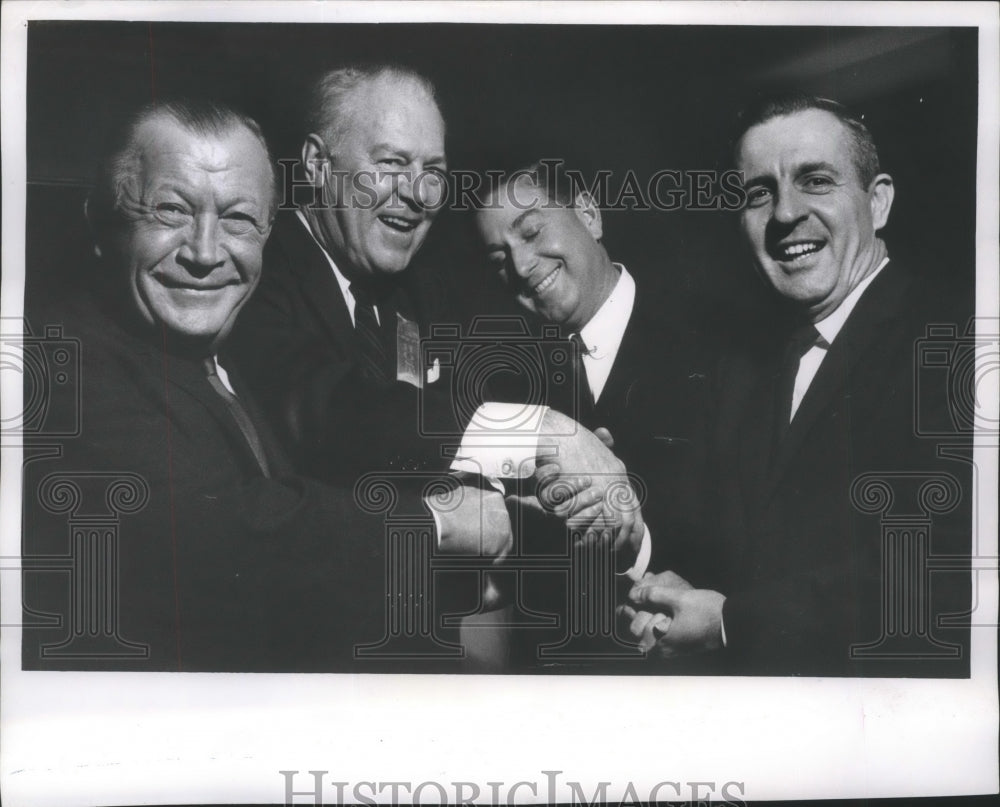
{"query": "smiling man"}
(170, 534)
(638, 374)
(330, 342)
(808, 580)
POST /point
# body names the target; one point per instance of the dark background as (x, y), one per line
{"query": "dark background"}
(643, 98)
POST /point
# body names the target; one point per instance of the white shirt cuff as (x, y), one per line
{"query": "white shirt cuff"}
(642, 559)
(501, 441)
(437, 525)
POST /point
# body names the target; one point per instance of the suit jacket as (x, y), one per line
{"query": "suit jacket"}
(810, 542)
(295, 345)
(218, 567)
(655, 404)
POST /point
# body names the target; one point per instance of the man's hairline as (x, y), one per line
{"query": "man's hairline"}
(135, 149)
(851, 137)
(332, 141)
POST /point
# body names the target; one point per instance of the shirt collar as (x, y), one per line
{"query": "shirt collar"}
(830, 326)
(603, 335)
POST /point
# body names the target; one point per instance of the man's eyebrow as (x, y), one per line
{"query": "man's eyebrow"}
(405, 153)
(808, 168)
(804, 168)
(521, 218)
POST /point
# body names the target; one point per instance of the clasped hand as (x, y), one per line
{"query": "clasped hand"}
(582, 481)
(669, 617)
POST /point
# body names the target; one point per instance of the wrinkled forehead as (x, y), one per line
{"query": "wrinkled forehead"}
(232, 158)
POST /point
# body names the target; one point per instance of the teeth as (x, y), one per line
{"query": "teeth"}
(401, 224)
(547, 282)
(796, 250)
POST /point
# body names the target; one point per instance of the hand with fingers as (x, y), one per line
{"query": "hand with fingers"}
(581, 481)
(669, 617)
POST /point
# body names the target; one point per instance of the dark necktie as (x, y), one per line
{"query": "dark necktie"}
(369, 333)
(239, 415)
(585, 404)
(803, 339)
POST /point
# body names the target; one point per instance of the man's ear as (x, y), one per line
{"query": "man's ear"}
(88, 214)
(314, 160)
(589, 213)
(880, 194)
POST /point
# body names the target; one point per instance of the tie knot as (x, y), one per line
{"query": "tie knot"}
(804, 338)
(209, 365)
(581, 347)
(364, 294)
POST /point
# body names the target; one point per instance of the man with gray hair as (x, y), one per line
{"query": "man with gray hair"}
(191, 544)
(330, 341)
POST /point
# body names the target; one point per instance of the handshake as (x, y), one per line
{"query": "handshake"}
(579, 480)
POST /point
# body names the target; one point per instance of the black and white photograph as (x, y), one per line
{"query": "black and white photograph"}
(499, 403)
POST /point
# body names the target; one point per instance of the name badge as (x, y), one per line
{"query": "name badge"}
(408, 352)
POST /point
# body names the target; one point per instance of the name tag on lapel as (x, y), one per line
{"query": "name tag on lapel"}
(408, 352)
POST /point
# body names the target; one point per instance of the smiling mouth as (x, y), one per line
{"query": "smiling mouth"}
(796, 250)
(546, 281)
(178, 285)
(400, 225)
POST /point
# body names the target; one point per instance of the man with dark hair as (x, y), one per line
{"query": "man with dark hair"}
(642, 382)
(809, 580)
(189, 543)
(634, 379)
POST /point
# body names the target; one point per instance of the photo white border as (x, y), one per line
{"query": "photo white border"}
(114, 738)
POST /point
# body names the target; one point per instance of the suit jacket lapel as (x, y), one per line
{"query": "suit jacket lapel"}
(309, 264)
(187, 377)
(853, 346)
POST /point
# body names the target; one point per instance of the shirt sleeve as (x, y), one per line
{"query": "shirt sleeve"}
(642, 559)
(501, 441)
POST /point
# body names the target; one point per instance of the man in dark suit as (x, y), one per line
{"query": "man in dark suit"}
(640, 381)
(170, 533)
(635, 379)
(330, 340)
(830, 505)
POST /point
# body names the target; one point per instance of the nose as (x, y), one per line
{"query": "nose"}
(788, 205)
(201, 253)
(428, 188)
(523, 260)
(419, 188)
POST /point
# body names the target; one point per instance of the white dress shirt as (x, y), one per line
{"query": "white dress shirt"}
(603, 335)
(220, 371)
